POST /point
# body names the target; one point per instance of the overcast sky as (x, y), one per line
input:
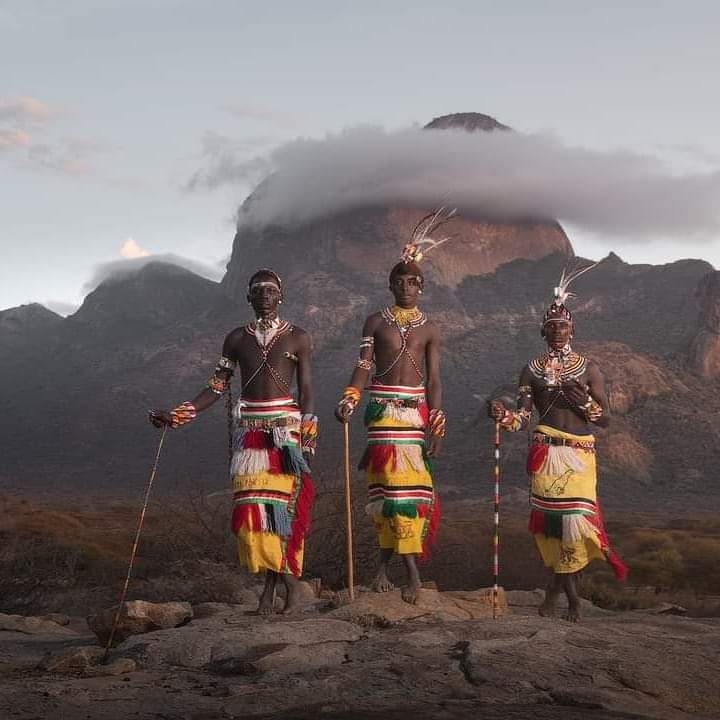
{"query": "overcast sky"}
(114, 116)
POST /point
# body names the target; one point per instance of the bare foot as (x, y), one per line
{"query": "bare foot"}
(573, 613)
(266, 604)
(411, 593)
(381, 583)
(291, 595)
(547, 609)
(267, 599)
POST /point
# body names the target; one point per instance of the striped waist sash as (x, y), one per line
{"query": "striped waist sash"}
(414, 396)
(276, 412)
(395, 436)
(412, 494)
(279, 416)
(563, 506)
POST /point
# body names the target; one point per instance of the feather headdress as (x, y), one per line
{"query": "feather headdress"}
(557, 309)
(421, 243)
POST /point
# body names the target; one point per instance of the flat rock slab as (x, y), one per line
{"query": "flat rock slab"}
(372, 609)
(45, 625)
(138, 617)
(241, 644)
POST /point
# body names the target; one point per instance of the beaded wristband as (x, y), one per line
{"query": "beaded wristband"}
(436, 420)
(182, 414)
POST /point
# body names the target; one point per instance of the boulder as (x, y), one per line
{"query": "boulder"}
(138, 617)
(373, 609)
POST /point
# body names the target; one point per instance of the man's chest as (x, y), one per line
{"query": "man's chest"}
(390, 338)
(252, 349)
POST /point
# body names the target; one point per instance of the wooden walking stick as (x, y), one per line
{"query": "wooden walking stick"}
(135, 545)
(348, 514)
(496, 534)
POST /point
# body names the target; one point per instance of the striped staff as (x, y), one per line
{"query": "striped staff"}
(496, 533)
(135, 546)
(348, 514)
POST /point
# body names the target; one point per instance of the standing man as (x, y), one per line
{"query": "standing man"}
(569, 393)
(273, 438)
(404, 346)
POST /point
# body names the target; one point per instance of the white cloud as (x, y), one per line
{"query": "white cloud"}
(130, 249)
(10, 139)
(119, 269)
(495, 175)
(24, 110)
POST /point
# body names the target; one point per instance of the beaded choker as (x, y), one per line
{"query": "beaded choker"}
(404, 317)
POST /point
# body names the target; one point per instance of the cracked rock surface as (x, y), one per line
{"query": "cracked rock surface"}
(229, 663)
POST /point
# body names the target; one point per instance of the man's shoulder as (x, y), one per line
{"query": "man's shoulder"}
(374, 319)
(298, 332)
(236, 333)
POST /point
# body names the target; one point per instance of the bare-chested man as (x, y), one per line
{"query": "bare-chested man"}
(403, 505)
(273, 438)
(569, 393)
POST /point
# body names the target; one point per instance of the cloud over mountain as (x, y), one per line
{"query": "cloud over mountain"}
(500, 175)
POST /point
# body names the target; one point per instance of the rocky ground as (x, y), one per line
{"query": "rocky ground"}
(377, 657)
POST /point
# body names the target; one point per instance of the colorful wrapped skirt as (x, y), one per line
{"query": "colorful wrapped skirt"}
(273, 489)
(402, 503)
(565, 515)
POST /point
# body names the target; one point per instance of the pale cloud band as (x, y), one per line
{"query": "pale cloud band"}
(498, 175)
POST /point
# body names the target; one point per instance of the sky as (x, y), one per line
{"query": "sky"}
(132, 129)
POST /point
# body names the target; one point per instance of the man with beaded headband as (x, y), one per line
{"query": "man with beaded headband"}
(403, 344)
(273, 438)
(568, 391)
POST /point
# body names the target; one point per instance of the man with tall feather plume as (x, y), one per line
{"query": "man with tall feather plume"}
(273, 438)
(568, 391)
(404, 418)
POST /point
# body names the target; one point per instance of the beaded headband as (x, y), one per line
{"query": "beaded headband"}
(265, 271)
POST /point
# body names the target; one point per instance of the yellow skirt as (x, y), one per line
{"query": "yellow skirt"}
(565, 486)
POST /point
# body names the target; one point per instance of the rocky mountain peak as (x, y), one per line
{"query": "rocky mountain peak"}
(470, 121)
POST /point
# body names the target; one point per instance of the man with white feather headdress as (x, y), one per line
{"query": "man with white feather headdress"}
(568, 391)
(404, 418)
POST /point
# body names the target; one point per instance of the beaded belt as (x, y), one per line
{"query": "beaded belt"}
(268, 423)
(587, 445)
(400, 402)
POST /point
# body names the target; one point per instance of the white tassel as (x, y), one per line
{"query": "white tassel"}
(559, 459)
(249, 462)
(374, 508)
(405, 415)
(409, 456)
(281, 436)
(577, 527)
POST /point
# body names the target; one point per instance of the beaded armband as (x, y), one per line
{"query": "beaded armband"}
(516, 420)
(592, 410)
(364, 364)
(436, 422)
(182, 414)
(225, 363)
(217, 384)
(350, 398)
(367, 342)
(308, 433)
(219, 380)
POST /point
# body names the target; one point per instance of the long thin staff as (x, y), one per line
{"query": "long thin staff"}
(496, 534)
(135, 545)
(348, 515)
